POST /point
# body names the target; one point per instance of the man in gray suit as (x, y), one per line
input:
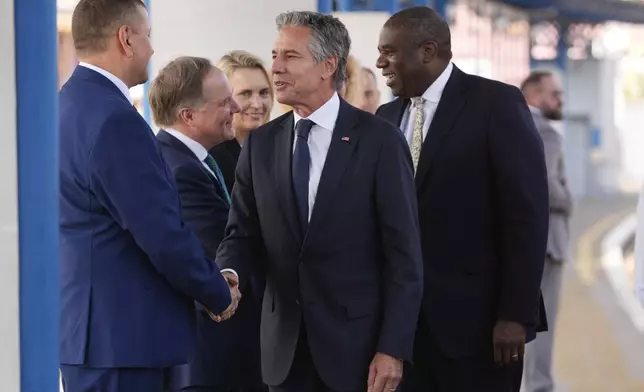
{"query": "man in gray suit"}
(543, 93)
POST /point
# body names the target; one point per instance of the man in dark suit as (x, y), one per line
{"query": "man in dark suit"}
(192, 101)
(130, 269)
(324, 206)
(483, 208)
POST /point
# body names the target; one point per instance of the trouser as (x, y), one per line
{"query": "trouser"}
(77, 378)
(537, 376)
(433, 371)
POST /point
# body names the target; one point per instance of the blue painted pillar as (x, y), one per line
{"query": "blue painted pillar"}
(36, 46)
(145, 101)
(324, 6)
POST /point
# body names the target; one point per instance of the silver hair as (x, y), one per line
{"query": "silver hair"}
(329, 38)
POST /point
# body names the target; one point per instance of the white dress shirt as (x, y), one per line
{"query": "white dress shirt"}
(432, 96)
(117, 82)
(319, 142)
(200, 151)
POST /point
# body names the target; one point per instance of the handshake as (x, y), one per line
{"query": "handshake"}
(235, 294)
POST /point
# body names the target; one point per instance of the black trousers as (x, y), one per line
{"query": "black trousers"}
(303, 377)
(433, 371)
(217, 389)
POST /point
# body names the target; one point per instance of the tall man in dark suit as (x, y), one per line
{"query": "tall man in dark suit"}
(483, 207)
(324, 206)
(543, 93)
(192, 101)
(130, 269)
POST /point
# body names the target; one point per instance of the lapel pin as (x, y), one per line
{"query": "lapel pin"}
(346, 139)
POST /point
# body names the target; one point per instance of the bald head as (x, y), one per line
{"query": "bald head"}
(542, 90)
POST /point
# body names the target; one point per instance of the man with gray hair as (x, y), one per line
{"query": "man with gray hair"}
(324, 205)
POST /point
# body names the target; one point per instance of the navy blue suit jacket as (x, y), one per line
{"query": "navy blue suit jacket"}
(354, 281)
(130, 269)
(482, 194)
(227, 353)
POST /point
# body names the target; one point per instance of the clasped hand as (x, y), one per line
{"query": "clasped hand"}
(235, 294)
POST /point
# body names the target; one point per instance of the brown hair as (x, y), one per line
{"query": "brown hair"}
(93, 21)
(178, 85)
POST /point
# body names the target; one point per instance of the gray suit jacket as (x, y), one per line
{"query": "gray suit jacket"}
(561, 201)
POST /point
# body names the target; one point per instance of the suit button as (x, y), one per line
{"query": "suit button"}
(297, 301)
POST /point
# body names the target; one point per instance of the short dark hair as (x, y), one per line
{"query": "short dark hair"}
(425, 24)
(178, 85)
(535, 79)
(94, 20)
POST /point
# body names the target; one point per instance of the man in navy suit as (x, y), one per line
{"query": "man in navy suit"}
(483, 203)
(130, 269)
(324, 206)
(192, 101)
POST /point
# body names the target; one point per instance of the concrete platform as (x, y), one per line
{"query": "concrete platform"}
(598, 348)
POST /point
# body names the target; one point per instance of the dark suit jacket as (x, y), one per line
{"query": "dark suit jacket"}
(355, 280)
(130, 268)
(227, 154)
(227, 354)
(483, 203)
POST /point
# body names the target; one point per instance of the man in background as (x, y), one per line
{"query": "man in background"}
(130, 269)
(543, 93)
(370, 95)
(192, 102)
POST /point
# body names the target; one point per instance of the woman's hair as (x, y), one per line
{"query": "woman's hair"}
(353, 84)
(240, 59)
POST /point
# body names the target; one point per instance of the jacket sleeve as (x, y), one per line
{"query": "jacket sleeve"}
(130, 178)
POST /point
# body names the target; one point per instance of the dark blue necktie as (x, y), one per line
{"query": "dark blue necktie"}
(301, 164)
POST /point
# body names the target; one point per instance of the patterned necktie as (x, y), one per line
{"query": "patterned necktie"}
(301, 165)
(212, 164)
(417, 136)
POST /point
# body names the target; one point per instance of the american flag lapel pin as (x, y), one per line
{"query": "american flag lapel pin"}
(346, 139)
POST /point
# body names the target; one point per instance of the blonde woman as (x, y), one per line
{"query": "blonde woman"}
(253, 92)
(237, 360)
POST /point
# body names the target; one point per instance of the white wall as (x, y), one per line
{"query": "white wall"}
(212, 28)
(591, 90)
(364, 30)
(9, 314)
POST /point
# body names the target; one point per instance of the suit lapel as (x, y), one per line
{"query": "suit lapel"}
(448, 110)
(283, 174)
(343, 143)
(165, 137)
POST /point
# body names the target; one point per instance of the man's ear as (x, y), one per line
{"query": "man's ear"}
(430, 51)
(330, 66)
(124, 33)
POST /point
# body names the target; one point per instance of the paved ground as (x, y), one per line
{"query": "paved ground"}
(597, 347)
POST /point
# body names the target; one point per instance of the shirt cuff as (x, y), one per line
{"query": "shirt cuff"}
(232, 271)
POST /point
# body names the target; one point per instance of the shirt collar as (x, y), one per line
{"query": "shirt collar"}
(200, 151)
(325, 116)
(117, 82)
(434, 92)
(535, 111)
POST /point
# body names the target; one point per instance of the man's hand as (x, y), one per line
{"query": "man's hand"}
(509, 342)
(385, 373)
(235, 294)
